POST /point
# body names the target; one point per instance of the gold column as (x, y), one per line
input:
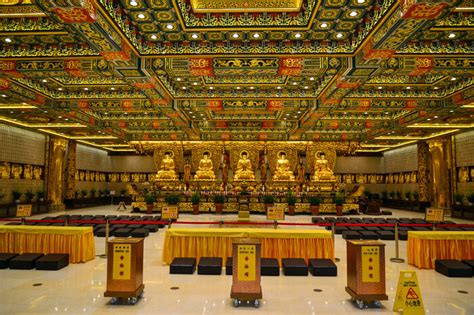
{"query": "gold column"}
(439, 172)
(423, 173)
(55, 180)
(71, 169)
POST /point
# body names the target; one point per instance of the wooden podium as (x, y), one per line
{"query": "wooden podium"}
(246, 272)
(366, 272)
(125, 269)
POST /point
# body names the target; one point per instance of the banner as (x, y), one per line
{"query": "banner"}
(168, 212)
(276, 212)
(23, 210)
(434, 215)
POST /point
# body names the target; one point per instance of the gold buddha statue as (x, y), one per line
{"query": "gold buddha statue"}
(283, 171)
(244, 168)
(322, 171)
(167, 169)
(205, 169)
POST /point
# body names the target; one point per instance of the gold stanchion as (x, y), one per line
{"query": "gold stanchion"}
(397, 259)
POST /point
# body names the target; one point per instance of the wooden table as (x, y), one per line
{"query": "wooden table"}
(217, 242)
(425, 247)
(78, 242)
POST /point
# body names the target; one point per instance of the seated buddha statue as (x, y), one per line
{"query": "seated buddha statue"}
(322, 171)
(167, 168)
(283, 171)
(244, 168)
(205, 169)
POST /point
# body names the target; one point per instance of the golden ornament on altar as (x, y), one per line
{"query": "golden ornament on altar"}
(205, 169)
(167, 169)
(283, 171)
(244, 168)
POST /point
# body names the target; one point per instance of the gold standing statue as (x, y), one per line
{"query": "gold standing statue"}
(205, 169)
(283, 171)
(167, 168)
(244, 168)
(322, 171)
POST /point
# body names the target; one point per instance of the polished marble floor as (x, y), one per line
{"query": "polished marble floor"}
(79, 288)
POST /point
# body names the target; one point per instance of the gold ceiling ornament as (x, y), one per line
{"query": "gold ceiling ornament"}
(14, 2)
(218, 6)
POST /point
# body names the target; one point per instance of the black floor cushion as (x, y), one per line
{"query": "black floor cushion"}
(269, 267)
(25, 261)
(101, 232)
(402, 235)
(52, 262)
(322, 267)
(152, 228)
(124, 232)
(228, 266)
(453, 268)
(350, 235)
(183, 265)
(368, 235)
(340, 229)
(5, 259)
(469, 263)
(210, 266)
(386, 235)
(294, 267)
(140, 233)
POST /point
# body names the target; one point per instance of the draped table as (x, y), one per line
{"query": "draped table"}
(78, 242)
(424, 248)
(217, 242)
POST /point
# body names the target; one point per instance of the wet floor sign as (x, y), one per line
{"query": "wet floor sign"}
(408, 299)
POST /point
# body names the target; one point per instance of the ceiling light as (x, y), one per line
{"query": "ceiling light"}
(297, 35)
(60, 89)
(141, 16)
(339, 35)
(86, 89)
(435, 116)
(365, 113)
(235, 35)
(11, 112)
(295, 116)
(66, 118)
(169, 26)
(44, 80)
(386, 113)
(45, 111)
(311, 78)
(324, 25)
(278, 87)
(451, 111)
(178, 79)
(287, 114)
(194, 116)
(8, 40)
(408, 87)
(60, 117)
(190, 112)
(133, 3)
(154, 36)
(211, 88)
(353, 13)
(294, 83)
(256, 35)
(453, 79)
(428, 119)
(112, 88)
(380, 87)
(452, 35)
(3, 95)
(435, 87)
(360, 1)
(306, 87)
(195, 83)
(194, 36)
(299, 112)
(251, 88)
(345, 113)
(237, 87)
(184, 88)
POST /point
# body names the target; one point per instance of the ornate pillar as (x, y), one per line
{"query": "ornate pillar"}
(439, 172)
(55, 180)
(71, 170)
(423, 172)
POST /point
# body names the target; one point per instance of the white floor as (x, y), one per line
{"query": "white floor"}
(79, 288)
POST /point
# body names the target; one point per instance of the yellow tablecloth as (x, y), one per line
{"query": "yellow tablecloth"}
(78, 242)
(217, 242)
(425, 247)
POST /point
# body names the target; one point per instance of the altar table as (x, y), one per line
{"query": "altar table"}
(424, 248)
(78, 242)
(217, 242)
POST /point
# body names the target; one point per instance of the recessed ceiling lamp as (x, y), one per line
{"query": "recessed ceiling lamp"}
(60, 89)
(178, 79)
(194, 36)
(141, 16)
(311, 78)
(380, 88)
(237, 87)
(297, 35)
(170, 26)
(195, 83)
(435, 87)
(435, 116)
(256, 35)
(306, 87)
(339, 35)
(386, 113)
(453, 79)
(278, 87)
(112, 88)
(251, 88)
(452, 35)
(324, 25)
(294, 83)
(154, 36)
(3, 95)
(133, 3)
(44, 80)
(211, 88)
(8, 40)
(360, 1)
(235, 35)
(86, 89)
(408, 87)
(184, 88)
(353, 13)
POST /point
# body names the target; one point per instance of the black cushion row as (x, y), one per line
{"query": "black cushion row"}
(126, 232)
(34, 260)
(268, 266)
(371, 235)
(455, 268)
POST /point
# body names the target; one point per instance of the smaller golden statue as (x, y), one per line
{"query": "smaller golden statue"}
(463, 175)
(167, 170)
(17, 169)
(283, 171)
(322, 171)
(205, 169)
(5, 170)
(244, 168)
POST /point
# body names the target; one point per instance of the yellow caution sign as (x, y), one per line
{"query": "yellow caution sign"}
(370, 263)
(122, 262)
(23, 210)
(434, 215)
(408, 298)
(276, 212)
(246, 263)
(169, 213)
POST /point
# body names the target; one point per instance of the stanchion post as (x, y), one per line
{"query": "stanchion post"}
(434, 227)
(66, 223)
(275, 224)
(23, 221)
(396, 259)
(169, 223)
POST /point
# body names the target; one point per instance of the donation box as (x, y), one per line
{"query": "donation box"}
(366, 270)
(124, 267)
(246, 270)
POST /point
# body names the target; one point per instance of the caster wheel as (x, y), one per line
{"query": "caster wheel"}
(360, 304)
(377, 304)
(115, 300)
(236, 303)
(142, 295)
(257, 303)
(132, 300)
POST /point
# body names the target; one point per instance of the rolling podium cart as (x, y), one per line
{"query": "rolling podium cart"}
(246, 272)
(366, 272)
(125, 270)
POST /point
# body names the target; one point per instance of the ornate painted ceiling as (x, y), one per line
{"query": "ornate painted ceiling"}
(380, 72)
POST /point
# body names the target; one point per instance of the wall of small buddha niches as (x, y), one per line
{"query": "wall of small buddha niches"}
(464, 151)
